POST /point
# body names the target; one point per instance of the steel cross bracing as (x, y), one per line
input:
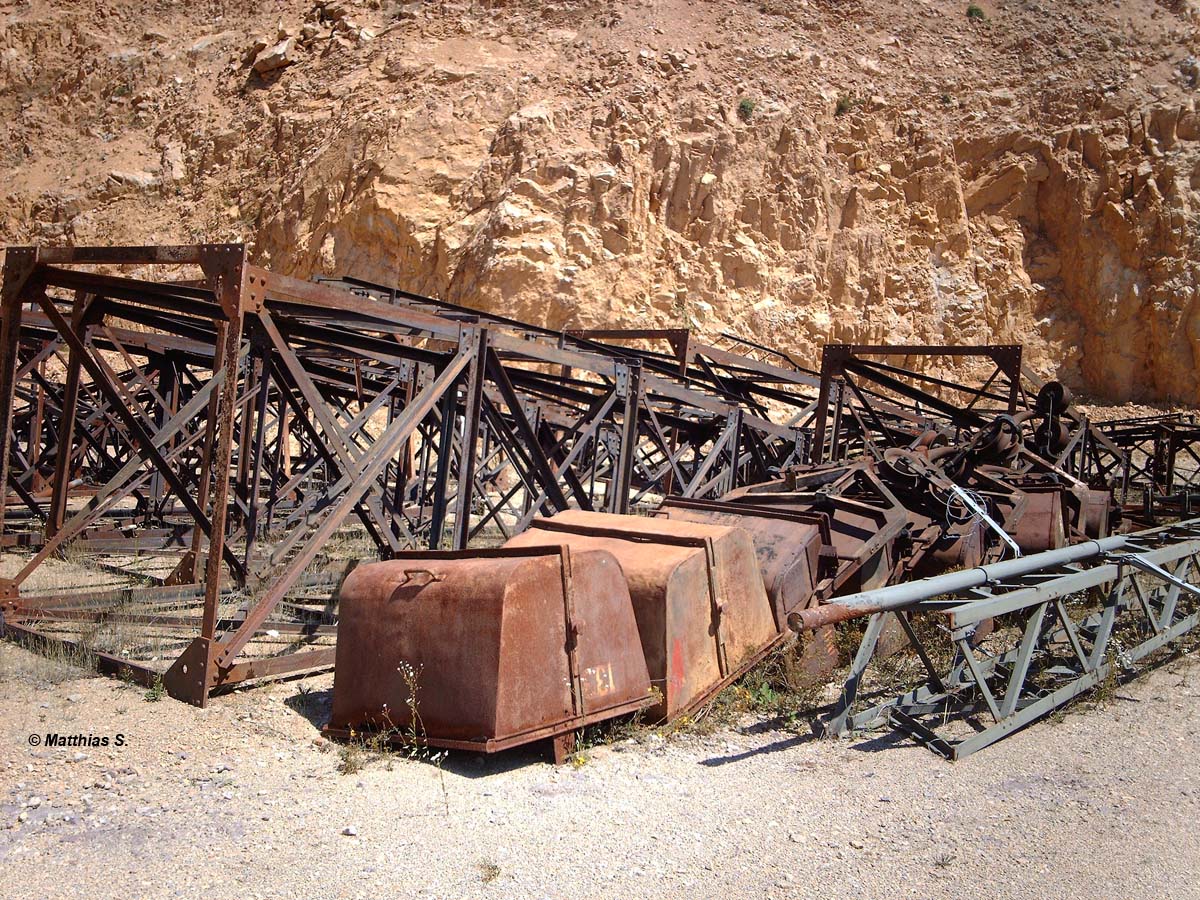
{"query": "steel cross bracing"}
(693, 374)
(170, 375)
(1004, 645)
(1160, 475)
(228, 422)
(200, 429)
(868, 399)
(875, 397)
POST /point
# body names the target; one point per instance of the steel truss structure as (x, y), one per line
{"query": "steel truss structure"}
(202, 432)
(872, 398)
(1026, 636)
(1161, 473)
(226, 421)
(867, 401)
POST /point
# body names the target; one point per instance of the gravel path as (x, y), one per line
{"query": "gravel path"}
(239, 801)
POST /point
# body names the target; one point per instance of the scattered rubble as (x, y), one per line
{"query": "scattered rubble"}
(275, 57)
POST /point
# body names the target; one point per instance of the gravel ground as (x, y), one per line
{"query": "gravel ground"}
(243, 800)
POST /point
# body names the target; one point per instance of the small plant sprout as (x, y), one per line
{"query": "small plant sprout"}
(156, 691)
(745, 109)
(351, 759)
(975, 12)
(415, 743)
(845, 103)
(942, 859)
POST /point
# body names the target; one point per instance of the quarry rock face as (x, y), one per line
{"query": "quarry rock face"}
(1084, 245)
(796, 175)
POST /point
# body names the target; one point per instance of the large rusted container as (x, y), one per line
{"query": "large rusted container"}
(788, 545)
(702, 612)
(795, 556)
(1096, 514)
(1090, 510)
(865, 520)
(1043, 525)
(502, 647)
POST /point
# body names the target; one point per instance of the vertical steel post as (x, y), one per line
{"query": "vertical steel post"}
(245, 418)
(228, 274)
(19, 263)
(187, 570)
(445, 450)
(168, 389)
(66, 426)
(259, 449)
(473, 409)
(622, 477)
(829, 363)
(35, 430)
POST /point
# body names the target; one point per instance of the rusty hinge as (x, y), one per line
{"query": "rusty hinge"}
(717, 605)
(572, 631)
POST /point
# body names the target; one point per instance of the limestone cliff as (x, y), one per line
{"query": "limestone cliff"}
(801, 172)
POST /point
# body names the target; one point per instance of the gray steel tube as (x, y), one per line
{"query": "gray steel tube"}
(898, 596)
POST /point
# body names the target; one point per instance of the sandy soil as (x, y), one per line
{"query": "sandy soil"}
(241, 800)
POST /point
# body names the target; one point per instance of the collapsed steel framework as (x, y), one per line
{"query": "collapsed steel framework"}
(232, 422)
(1025, 636)
(1161, 464)
(202, 429)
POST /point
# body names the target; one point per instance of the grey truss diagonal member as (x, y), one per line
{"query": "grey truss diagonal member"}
(1080, 615)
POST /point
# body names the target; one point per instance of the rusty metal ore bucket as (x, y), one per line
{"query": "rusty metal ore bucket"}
(702, 612)
(795, 573)
(795, 556)
(1044, 524)
(864, 527)
(489, 648)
